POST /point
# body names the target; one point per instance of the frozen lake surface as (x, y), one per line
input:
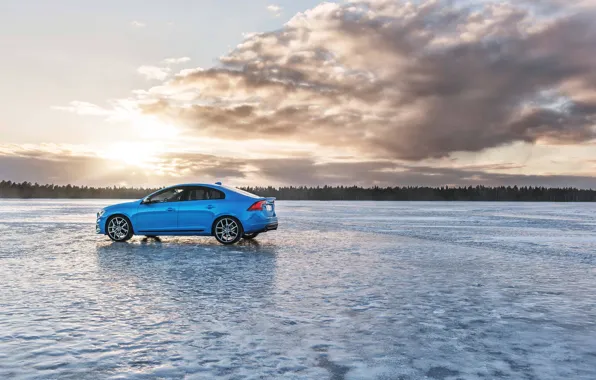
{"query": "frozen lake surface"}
(343, 290)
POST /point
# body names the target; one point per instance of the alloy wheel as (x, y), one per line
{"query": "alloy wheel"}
(118, 228)
(227, 230)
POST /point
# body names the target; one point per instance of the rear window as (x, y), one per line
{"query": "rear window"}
(216, 194)
(203, 193)
(240, 191)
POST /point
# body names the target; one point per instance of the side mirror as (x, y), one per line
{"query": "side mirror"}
(146, 201)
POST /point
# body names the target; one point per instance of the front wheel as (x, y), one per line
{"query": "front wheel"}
(227, 230)
(250, 236)
(119, 228)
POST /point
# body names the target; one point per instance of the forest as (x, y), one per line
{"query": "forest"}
(9, 189)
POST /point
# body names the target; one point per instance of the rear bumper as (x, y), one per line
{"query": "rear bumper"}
(270, 227)
(258, 225)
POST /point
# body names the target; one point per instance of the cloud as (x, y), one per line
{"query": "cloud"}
(193, 165)
(137, 24)
(84, 108)
(379, 92)
(117, 110)
(555, 5)
(394, 80)
(154, 72)
(65, 164)
(275, 9)
(176, 61)
(46, 164)
(305, 171)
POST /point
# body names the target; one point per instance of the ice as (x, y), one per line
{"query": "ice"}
(343, 290)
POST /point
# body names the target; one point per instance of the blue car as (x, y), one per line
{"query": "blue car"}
(225, 212)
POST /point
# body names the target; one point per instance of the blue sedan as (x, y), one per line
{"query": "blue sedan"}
(225, 212)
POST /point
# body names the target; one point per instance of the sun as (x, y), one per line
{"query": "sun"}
(153, 136)
(139, 154)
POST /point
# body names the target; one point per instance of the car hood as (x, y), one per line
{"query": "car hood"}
(123, 205)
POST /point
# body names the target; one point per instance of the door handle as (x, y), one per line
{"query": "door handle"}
(210, 207)
(171, 209)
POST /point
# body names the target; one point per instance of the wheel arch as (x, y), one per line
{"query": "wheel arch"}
(225, 216)
(132, 227)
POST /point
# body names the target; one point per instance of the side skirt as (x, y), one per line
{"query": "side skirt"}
(157, 232)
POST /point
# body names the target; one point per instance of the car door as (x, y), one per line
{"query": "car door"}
(159, 213)
(198, 208)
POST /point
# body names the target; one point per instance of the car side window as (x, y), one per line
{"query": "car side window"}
(196, 194)
(202, 194)
(216, 194)
(170, 195)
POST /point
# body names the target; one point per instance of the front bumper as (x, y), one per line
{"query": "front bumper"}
(100, 225)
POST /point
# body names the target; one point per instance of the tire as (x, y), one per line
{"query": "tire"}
(227, 230)
(119, 228)
(250, 236)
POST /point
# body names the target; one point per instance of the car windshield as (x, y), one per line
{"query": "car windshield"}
(241, 191)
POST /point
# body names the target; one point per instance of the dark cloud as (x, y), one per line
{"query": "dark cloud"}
(47, 167)
(201, 165)
(385, 173)
(401, 81)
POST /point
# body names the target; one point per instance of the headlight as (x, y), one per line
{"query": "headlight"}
(99, 214)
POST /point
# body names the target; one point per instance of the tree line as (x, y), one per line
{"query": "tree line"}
(10, 189)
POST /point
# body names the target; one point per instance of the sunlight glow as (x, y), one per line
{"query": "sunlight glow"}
(150, 127)
(139, 154)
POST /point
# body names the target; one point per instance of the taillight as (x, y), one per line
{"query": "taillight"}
(257, 206)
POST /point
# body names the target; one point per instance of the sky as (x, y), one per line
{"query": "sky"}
(363, 92)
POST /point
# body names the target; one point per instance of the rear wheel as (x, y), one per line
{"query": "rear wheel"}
(227, 230)
(250, 236)
(119, 228)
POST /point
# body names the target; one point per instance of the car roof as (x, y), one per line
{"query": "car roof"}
(218, 186)
(196, 184)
